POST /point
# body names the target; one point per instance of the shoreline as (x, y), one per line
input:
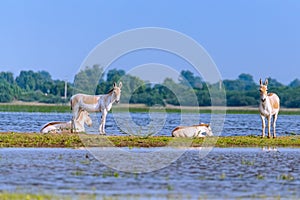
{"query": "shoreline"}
(65, 108)
(68, 140)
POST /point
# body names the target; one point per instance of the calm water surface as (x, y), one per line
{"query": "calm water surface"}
(223, 173)
(235, 124)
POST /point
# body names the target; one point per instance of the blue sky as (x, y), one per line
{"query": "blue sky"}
(261, 38)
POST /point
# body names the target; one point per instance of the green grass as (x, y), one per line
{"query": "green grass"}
(34, 108)
(15, 196)
(80, 140)
(39, 140)
(62, 108)
(66, 108)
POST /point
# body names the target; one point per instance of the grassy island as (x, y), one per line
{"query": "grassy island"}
(12, 139)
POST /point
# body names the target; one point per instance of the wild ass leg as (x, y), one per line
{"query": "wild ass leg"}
(263, 125)
(274, 124)
(103, 120)
(75, 112)
(269, 126)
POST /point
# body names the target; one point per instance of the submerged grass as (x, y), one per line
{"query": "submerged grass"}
(81, 140)
(28, 196)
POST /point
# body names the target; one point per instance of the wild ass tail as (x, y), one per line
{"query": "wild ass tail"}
(71, 103)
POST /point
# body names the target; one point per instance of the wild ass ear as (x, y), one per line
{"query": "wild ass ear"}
(266, 82)
(120, 85)
(115, 85)
(260, 82)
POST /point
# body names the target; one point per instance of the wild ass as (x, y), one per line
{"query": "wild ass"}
(96, 103)
(269, 107)
(58, 127)
(192, 131)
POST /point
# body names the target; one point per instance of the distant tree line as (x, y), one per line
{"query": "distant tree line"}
(32, 86)
(189, 90)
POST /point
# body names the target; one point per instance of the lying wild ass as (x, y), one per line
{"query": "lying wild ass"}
(96, 103)
(192, 131)
(58, 127)
(269, 107)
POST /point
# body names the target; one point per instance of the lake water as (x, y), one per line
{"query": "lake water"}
(153, 123)
(222, 173)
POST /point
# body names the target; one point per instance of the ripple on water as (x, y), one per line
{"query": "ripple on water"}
(234, 125)
(224, 172)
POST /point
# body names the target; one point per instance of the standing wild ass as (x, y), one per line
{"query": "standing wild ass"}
(96, 103)
(58, 127)
(268, 107)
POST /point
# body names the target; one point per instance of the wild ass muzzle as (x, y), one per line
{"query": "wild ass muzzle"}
(269, 108)
(96, 103)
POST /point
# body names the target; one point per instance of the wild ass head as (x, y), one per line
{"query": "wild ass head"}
(84, 116)
(263, 90)
(116, 92)
(206, 129)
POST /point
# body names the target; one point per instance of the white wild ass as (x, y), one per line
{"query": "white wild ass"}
(269, 107)
(58, 127)
(96, 103)
(192, 131)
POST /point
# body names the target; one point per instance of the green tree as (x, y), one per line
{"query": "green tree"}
(243, 83)
(26, 80)
(58, 88)
(87, 79)
(247, 82)
(203, 98)
(6, 92)
(180, 94)
(235, 85)
(45, 76)
(8, 77)
(132, 87)
(273, 83)
(235, 98)
(8, 88)
(243, 91)
(114, 76)
(187, 78)
(31, 81)
(295, 83)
